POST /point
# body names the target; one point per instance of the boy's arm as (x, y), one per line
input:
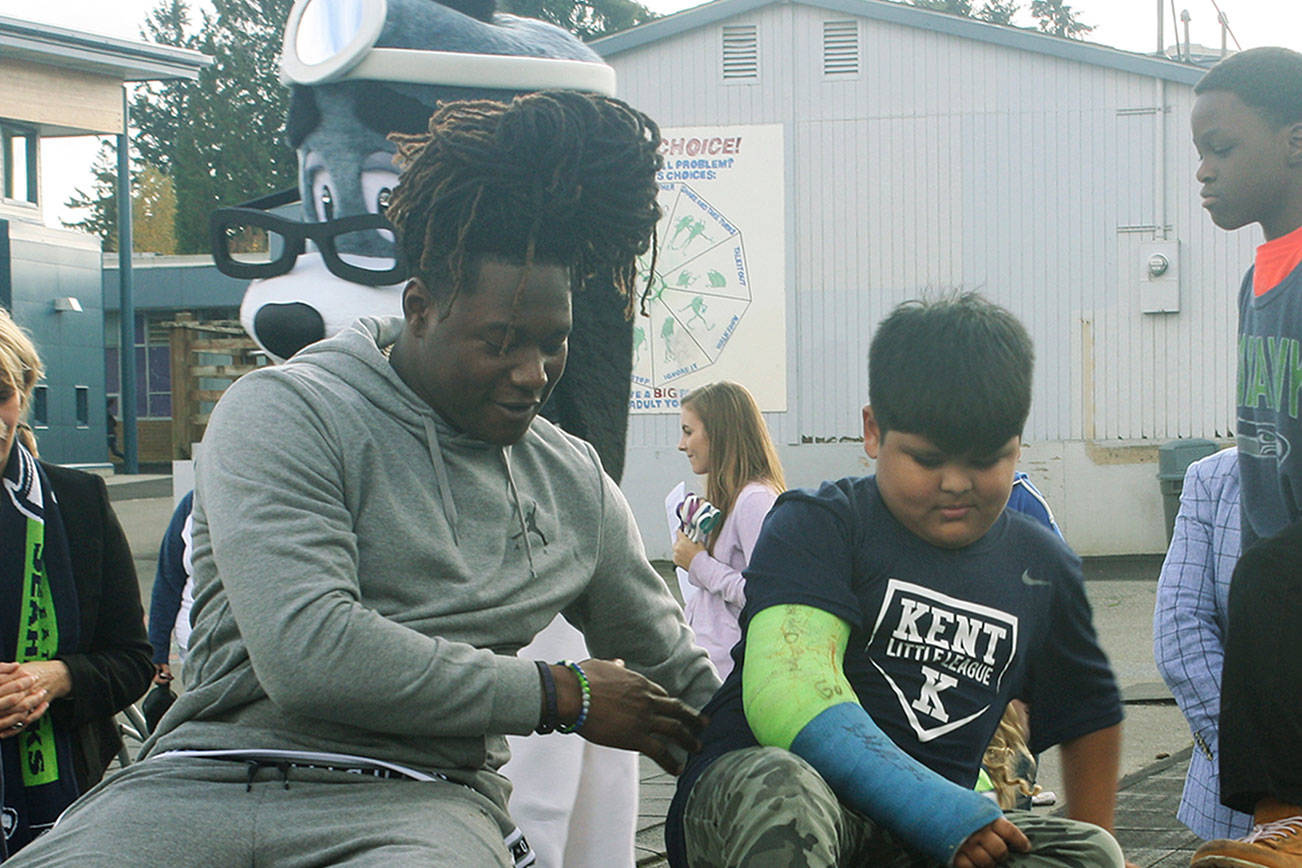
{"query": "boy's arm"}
(796, 696)
(1089, 776)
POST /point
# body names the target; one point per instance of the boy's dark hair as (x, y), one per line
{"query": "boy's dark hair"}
(956, 370)
(562, 178)
(1268, 79)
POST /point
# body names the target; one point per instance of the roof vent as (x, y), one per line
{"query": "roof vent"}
(740, 51)
(841, 47)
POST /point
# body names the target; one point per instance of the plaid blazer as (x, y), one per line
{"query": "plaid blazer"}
(1189, 628)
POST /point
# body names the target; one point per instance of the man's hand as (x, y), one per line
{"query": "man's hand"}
(628, 711)
(991, 845)
(162, 673)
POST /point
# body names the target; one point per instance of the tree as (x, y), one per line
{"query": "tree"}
(221, 138)
(586, 19)
(153, 212)
(996, 12)
(153, 205)
(952, 7)
(1059, 19)
(1054, 16)
(101, 202)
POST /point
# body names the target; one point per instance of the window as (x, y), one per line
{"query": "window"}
(840, 48)
(41, 407)
(740, 51)
(153, 366)
(153, 360)
(20, 164)
(83, 406)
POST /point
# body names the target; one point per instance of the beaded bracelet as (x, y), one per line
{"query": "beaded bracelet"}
(548, 722)
(587, 699)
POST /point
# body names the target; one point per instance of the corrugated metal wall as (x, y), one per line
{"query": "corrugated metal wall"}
(948, 162)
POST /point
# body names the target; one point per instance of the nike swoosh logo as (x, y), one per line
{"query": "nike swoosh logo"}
(1030, 582)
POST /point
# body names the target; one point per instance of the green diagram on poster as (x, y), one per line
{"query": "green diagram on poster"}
(705, 317)
(699, 290)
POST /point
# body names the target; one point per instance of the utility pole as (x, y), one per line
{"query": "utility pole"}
(126, 303)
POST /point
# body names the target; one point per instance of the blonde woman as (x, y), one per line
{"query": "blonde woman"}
(73, 636)
(725, 440)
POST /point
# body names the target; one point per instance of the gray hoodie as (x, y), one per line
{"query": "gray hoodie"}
(364, 573)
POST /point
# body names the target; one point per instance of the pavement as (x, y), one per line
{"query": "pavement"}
(1156, 746)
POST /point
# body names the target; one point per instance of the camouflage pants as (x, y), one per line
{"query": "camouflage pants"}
(764, 807)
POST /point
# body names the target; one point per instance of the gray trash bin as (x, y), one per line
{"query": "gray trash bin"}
(1173, 459)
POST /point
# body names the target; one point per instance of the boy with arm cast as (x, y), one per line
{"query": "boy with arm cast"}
(889, 621)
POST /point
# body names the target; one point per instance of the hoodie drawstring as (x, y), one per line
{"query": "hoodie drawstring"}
(441, 475)
(519, 511)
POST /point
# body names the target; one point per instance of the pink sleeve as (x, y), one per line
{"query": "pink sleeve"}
(742, 529)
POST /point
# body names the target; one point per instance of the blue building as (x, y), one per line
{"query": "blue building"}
(58, 82)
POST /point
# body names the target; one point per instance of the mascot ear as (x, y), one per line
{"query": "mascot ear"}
(481, 9)
(303, 115)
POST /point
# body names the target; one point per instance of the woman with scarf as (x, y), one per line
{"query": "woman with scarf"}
(74, 645)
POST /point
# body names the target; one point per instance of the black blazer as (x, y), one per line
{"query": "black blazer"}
(111, 667)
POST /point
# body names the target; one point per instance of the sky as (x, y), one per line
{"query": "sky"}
(1128, 24)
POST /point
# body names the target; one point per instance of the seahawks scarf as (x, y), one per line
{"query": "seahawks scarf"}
(39, 620)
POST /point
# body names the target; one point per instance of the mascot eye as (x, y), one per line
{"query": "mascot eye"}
(377, 186)
(327, 200)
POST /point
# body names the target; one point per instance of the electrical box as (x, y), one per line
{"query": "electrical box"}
(1159, 277)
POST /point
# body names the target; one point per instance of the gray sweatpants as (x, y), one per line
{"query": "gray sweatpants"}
(199, 812)
(764, 807)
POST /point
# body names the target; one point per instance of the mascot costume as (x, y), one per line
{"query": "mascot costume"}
(359, 70)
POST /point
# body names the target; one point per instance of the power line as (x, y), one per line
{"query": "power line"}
(1225, 22)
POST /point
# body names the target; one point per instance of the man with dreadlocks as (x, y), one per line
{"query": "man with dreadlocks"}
(368, 561)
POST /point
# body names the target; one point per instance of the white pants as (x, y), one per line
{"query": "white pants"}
(575, 801)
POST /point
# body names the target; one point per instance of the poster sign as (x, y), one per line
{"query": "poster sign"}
(716, 309)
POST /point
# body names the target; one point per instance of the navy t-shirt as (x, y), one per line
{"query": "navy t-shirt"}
(1269, 432)
(941, 639)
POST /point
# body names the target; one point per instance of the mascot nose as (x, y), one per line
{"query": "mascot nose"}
(284, 329)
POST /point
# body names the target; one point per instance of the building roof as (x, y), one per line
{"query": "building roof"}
(118, 59)
(909, 16)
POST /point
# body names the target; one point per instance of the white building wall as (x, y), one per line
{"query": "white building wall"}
(949, 162)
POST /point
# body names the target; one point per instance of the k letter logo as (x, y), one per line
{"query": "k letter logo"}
(943, 657)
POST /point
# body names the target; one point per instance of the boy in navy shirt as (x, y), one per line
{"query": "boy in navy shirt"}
(889, 621)
(1247, 127)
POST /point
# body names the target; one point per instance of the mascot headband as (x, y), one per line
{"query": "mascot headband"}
(336, 40)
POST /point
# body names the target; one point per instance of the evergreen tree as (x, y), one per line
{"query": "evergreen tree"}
(101, 202)
(996, 12)
(953, 7)
(1059, 19)
(220, 138)
(153, 205)
(586, 19)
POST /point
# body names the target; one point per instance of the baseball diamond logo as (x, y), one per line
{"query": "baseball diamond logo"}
(943, 657)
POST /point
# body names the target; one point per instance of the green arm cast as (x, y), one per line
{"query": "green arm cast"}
(792, 672)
